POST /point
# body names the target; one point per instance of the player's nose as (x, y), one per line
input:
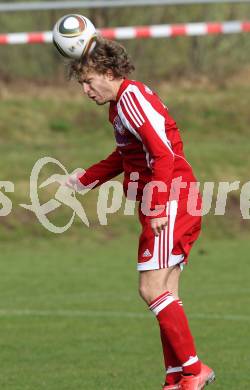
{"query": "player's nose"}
(86, 88)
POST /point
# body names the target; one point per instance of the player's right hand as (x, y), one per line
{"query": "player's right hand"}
(73, 181)
(158, 224)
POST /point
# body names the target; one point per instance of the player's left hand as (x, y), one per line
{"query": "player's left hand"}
(158, 224)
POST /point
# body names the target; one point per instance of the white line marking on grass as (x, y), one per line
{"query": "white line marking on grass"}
(111, 314)
(226, 317)
(70, 313)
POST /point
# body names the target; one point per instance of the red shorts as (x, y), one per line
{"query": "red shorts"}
(174, 243)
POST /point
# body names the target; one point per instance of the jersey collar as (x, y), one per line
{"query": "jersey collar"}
(122, 88)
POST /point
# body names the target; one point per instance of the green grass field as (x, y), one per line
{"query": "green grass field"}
(70, 314)
(71, 317)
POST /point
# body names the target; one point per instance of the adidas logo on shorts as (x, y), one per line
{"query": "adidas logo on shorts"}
(146, 253)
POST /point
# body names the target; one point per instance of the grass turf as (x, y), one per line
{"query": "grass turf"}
(71, 317)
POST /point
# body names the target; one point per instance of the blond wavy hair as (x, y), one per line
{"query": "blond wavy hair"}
(107, 55)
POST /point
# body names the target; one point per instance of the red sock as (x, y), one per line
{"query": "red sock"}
(172, 364)
(175, 329)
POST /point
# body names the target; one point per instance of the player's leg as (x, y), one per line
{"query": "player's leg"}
(172, 364)
(173, 280)
(168, 280)
(171, 317)
(158, 278)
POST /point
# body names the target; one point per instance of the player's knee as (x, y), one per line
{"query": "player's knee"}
(153, 284)
(143, 292)
(148, 293)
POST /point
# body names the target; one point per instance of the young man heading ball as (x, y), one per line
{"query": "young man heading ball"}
(149, 148)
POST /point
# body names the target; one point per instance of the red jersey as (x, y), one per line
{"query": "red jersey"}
(148, 142)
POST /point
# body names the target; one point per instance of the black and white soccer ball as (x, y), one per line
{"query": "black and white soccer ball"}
(74, 36)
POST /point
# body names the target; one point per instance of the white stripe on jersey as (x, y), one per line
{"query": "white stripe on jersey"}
(157, 121)
(178, 155)
(133, 131)
(126, 123)
(131, 112)
(134, 106)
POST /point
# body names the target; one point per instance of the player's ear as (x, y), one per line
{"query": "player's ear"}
(110, 75)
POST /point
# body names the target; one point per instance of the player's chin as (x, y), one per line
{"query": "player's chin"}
(100, 102)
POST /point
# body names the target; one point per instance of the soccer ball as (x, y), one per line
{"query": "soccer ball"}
(74, 36)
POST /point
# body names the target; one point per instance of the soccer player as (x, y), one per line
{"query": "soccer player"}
(149, 151)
